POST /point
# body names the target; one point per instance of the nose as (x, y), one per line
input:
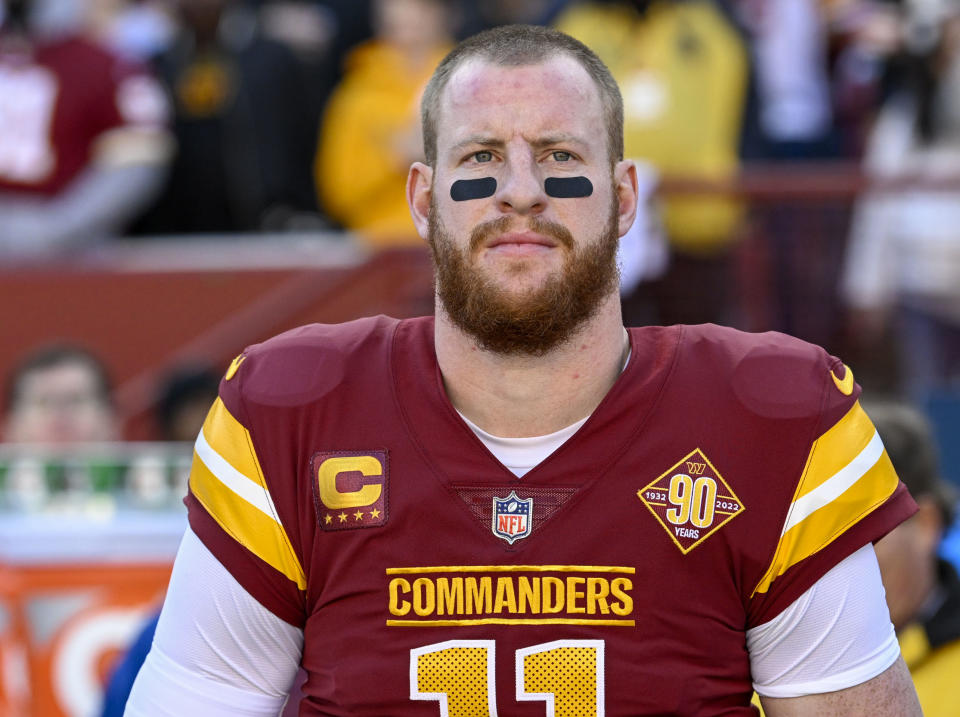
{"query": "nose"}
(520, 189)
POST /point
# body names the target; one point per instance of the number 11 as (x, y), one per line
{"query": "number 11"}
(567, 675)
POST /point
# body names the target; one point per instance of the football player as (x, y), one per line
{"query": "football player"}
(518, 506)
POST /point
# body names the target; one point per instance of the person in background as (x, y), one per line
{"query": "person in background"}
(923, 590)
(817, 76)
(320, 33)
(185, 397)
(83, 138)
(482, 15)
(902, 267)
(245, 136)
(371, 120)
(59, 394)
(139, 29)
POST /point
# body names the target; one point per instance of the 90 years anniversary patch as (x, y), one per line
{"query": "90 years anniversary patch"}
(691, 500)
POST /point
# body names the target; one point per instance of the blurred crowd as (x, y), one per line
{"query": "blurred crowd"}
(161, 118)
(152, 119)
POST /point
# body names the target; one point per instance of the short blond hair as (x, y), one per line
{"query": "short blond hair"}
(518, 45)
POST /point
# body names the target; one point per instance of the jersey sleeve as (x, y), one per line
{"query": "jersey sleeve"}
(847, 495)
(233, 511)
(836, 635)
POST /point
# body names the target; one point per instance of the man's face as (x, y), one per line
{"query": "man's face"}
(60, 404)
(521, 270)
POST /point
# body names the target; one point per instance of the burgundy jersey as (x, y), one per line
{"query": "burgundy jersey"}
(719, 479)
(58, 102)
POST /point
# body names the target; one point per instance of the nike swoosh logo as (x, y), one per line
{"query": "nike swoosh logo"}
(235, 364)
(846, 385)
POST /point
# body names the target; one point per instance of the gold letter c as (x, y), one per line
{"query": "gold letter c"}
(332, 467)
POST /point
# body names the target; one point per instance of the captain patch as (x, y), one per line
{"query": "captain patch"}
(350, 489)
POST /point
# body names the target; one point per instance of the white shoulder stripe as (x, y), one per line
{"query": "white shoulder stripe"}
(835, 485)
(246, 488)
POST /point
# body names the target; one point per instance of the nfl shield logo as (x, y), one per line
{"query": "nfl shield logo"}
(511, 517)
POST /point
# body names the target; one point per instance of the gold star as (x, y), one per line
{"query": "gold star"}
(343, 517)
(374, 514)
(358, 515)
(327, 519)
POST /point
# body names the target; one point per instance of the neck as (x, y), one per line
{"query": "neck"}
(520, 396)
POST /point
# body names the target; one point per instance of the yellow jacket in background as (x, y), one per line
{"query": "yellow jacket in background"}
(683, 71)
(935, 671)
(363, 151)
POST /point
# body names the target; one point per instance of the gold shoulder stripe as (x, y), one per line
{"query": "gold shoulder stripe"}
(227, 480)
(848, 474)
(835, 449)
(228, 438)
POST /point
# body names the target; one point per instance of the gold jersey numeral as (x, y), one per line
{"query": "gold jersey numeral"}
(693, 500)
(567, 675)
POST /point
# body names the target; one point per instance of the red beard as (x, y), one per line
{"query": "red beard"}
(536, 321)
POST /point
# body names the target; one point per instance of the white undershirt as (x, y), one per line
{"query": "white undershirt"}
(521, 455)
(220, 653)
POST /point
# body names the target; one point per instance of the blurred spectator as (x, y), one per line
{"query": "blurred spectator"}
(923, 592)
(682, 68)
(186, 395)
(320, 33)
(82, 139)
(138, 29)
(245, 136)
(483, 14)
(903, 260)
(792, 117)
(332, 27)
(371, 130)
(817, 68)
(118, 687)
(58, 395)
(816, 77)
(865, 40)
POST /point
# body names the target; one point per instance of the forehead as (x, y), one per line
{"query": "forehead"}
(557, 95)
(58, 378)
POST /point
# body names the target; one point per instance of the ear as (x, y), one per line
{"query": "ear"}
(419, 182)
(625, 184)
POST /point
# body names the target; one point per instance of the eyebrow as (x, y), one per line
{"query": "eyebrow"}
(479, 140)
(561, 138)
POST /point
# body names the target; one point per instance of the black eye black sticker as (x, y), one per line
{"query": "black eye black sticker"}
(559, 187)
(464, 189)
(568, 187)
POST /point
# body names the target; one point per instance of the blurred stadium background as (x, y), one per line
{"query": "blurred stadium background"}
(803, 165)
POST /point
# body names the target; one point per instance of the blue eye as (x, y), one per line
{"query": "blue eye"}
(562, 156)
(483, 156)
